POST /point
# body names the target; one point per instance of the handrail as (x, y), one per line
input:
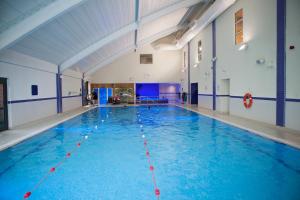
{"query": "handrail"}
(152, 99)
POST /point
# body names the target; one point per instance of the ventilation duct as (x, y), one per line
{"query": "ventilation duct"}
(190, 28)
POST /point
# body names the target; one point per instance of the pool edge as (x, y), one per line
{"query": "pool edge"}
(34, 132)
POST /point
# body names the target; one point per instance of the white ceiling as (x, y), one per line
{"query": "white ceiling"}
(149, 6)
(14, 11)
(152, 28)
(77, 29)
(106, 52)
(80, 27)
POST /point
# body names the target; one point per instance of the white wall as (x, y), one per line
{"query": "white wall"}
(23, 71)
(71, 90)
(184, 70)
(239, 68)
(202, 74)
(260, 34)
(169, 91)
(127, 69)
(292, 64)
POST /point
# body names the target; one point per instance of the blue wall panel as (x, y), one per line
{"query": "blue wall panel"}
(147, 89)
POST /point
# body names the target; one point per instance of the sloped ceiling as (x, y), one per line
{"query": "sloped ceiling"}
(14, 11)
(106, 52)
(68, 34)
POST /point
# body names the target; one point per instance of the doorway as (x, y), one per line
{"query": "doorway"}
(194, 93)
(105, 93)
(3, 105)
(225, 99)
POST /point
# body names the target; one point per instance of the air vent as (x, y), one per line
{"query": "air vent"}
(146, 59)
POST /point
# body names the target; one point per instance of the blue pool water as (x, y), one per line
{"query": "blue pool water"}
(195, 158)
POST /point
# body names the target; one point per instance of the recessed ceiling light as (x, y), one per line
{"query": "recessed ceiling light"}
(243, 47)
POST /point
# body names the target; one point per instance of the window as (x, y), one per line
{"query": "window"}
(199, 51)
(146, 59)
(239, 27)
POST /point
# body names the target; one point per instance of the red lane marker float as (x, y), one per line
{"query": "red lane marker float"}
(27, 195)
(151, 167)
(156, 189)
(53, 169)
(157, 192)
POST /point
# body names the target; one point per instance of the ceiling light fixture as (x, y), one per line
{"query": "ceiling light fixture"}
(243, 47)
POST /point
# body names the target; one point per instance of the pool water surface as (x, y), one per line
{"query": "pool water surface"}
(194, 157)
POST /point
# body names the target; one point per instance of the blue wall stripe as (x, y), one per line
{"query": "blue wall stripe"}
(280, 74)
(292, 100)
(30, 100)
(205, 95)
(239, 97)
(258, 98)
(214, 55)
(169, 93)
(65, 97)
(222, 95)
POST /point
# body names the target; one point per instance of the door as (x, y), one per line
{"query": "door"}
(225, 93)
(194, 93)
(109, 92)
(3, 104)
(85, 93)
(103, 96)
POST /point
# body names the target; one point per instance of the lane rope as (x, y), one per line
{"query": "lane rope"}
(151, 166)
(55, 167)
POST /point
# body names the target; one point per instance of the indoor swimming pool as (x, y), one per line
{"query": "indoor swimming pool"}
(193, 157)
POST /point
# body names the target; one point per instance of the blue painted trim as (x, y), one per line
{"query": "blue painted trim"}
(30, 100)
(281, 74)
(82, 90)
(293, 100)
(189, 73)
(258, 98)
(223, 95)
(264, 98)
(205, 95)
(169, 93)
(137, 5)
(240, 97)
(214, 55)
(72, 96)
(59, 91)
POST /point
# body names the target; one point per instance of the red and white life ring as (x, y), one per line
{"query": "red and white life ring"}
(248, 100)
